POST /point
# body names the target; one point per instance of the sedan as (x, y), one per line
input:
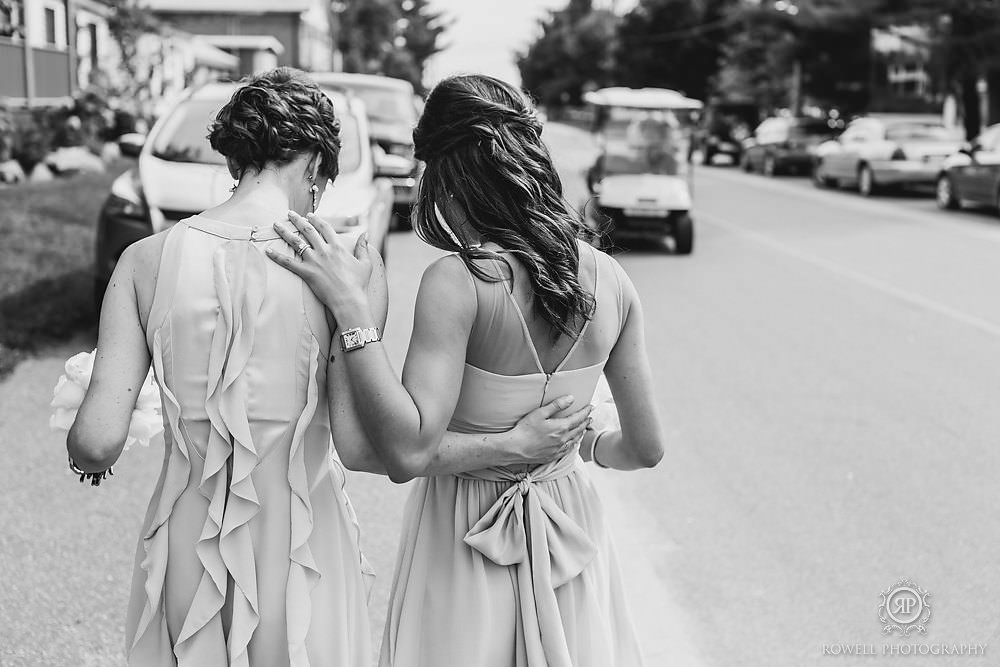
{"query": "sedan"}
(876, 152)
(179, 175)
(782, 144)
(972, 175)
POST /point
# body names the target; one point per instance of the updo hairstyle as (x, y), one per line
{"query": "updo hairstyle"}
(274, 117)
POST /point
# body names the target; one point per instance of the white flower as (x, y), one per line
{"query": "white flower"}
(68, 394)
(79, 368)
(605, 414)
(149, 395)
(145, 426)
(62, 419)
(70, 390)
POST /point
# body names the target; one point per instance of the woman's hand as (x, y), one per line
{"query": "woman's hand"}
(541, 436)
(336, 276)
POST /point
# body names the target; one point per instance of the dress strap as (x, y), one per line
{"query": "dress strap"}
(166, 280)
(586, 323)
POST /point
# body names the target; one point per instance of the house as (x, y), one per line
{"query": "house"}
(261, 33)
(51, 49)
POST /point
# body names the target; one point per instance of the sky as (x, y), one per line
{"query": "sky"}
(486, 35)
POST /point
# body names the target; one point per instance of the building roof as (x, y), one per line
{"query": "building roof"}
(230, 6)
(206, 54)
(371, 80)
(251, 42)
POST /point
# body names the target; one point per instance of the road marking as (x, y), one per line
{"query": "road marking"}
(911, 298)
(938, 219)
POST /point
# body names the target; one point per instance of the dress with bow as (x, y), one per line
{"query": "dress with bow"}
(514, 567)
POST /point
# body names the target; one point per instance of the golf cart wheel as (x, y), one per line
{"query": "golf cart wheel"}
(683, 234)
(944, 194)
(866, 181)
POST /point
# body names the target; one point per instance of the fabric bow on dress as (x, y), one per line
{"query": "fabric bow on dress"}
(525, 528)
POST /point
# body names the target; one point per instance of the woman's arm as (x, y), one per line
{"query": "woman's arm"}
(639, 443)
(404, 424)
(121, 363)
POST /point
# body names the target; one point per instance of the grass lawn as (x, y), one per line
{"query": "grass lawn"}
(46, 260)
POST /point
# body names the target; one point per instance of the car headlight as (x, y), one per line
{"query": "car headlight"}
(126, 199)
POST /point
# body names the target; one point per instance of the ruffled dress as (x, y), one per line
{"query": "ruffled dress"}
(249, 554)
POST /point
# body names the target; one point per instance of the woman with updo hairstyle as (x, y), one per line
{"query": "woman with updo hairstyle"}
(249, 553)
(509, 565)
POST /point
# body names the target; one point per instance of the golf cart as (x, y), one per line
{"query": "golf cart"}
(641, 182)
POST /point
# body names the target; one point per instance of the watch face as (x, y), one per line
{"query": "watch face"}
(352, 339)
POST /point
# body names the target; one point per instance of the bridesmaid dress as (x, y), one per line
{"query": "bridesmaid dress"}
(249, 554)
(514, 567)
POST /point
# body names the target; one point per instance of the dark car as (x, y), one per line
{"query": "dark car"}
(392, 109)
(972, 174)
(785, 144)
(725, 126)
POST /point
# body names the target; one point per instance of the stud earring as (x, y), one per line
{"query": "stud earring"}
(314, 189)
(236, 184)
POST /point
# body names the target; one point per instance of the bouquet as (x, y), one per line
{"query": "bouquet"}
(605, 414)
(147, 422)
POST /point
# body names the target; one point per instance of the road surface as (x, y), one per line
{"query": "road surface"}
(828, 371)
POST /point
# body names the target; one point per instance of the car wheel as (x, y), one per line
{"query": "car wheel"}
(745, 164)
(866, 181)
(818, 179)
(945, 194)
(683, 234)
(770, 166)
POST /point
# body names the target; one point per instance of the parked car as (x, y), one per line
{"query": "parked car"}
(785, 143)
(392, 110)
(879, 151)
(178, 175)
(725, 125)
(972, 175)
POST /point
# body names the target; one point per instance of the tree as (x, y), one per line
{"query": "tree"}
(965, 43)
(573, 53)
(674, 44)
(812, 50)
(391, 37)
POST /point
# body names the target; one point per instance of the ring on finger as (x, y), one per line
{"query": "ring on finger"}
(301, 247)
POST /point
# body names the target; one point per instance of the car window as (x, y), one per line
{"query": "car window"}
(184, 136)
(863, 130)
(989, 140)
(388, 105)
(921, 132)
(771, 130)
(809, 128)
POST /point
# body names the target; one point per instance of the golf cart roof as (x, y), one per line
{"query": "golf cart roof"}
(641, 98)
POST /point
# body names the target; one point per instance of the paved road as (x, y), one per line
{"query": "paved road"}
(828, 368)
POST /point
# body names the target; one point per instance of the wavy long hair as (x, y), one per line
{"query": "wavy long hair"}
(481, 141)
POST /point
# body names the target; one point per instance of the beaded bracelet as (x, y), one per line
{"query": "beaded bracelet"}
(95, 477)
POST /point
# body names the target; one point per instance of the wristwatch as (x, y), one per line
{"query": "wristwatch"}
(357, 338)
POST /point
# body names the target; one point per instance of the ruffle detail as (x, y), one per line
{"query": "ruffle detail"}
(225, 547)
(303, 575)
(155, 540)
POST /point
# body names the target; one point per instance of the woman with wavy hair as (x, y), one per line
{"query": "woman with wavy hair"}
(510, 565)
(249, 553)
